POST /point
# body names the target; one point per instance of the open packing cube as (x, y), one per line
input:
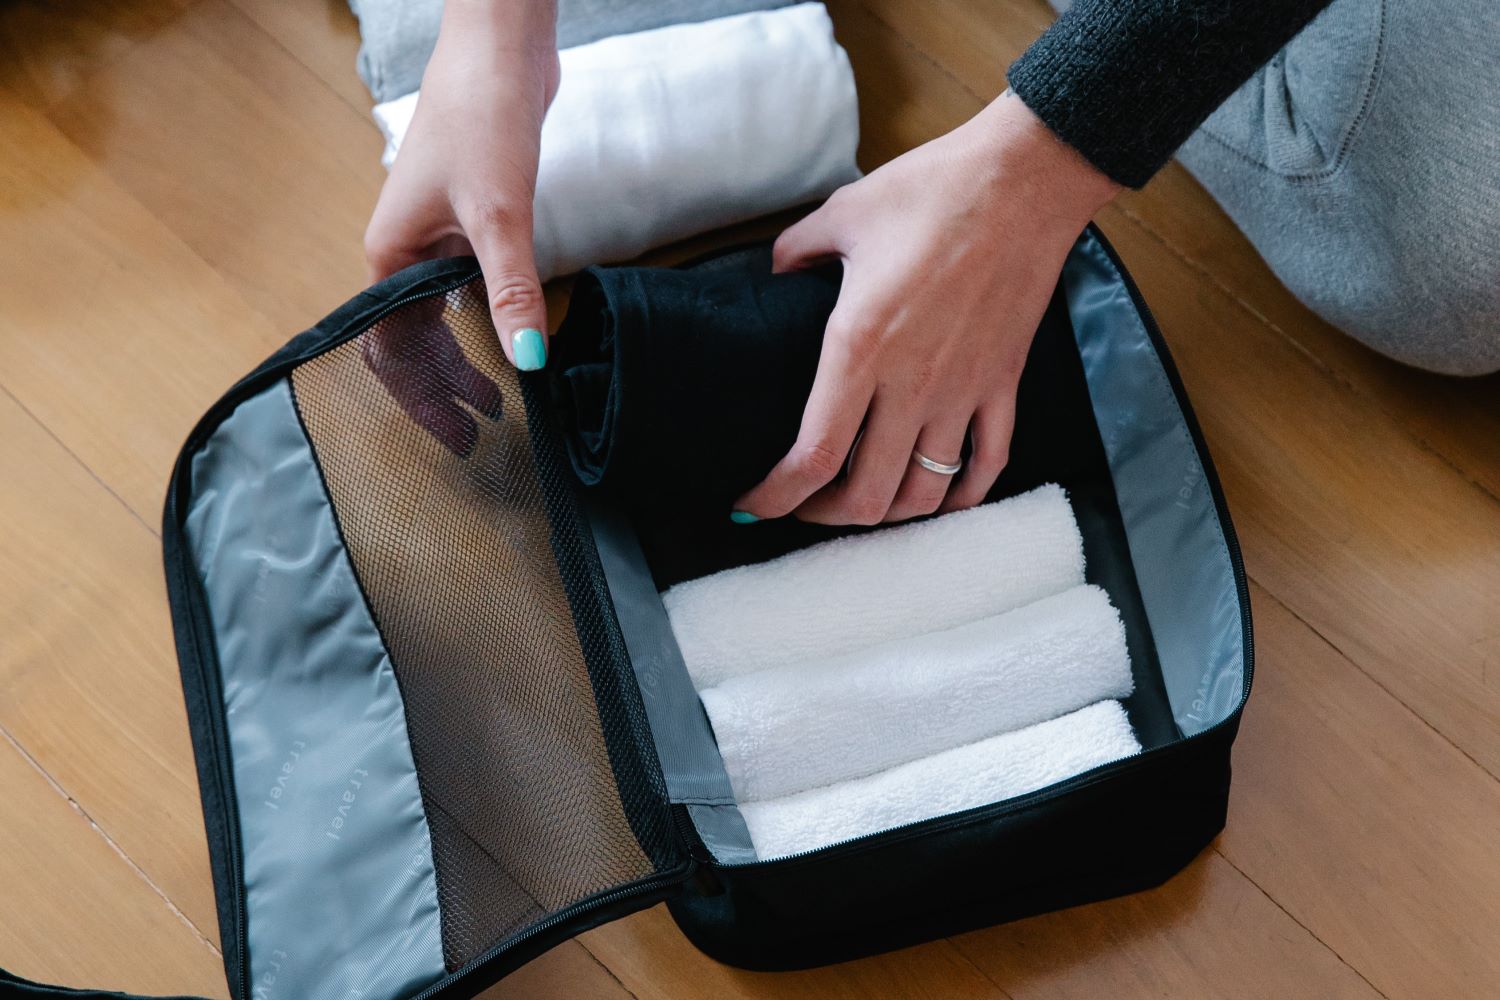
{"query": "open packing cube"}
(441, 723)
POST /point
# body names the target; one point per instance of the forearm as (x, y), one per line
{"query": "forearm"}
(1125, 82)
(506, 25)
(506, 49)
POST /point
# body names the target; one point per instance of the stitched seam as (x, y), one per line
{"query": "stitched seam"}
(1346, 144)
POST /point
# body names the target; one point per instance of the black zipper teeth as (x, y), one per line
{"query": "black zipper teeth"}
(641, 888)
(185, 570)
(1123, 764)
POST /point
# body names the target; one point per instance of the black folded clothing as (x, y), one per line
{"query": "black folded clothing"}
(682, 387)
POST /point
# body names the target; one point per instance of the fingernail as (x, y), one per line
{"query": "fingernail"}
(743, 517)
(530, 349)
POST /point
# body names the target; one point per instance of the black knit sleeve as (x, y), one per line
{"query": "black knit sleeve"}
(1125, 82)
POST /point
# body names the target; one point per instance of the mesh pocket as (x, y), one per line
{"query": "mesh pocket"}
(537, 772)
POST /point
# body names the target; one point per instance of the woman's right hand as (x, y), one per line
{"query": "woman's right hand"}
(466, 176)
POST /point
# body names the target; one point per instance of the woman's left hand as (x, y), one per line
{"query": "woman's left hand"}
(951, 253)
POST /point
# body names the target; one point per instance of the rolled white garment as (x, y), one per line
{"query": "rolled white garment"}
(811, 724)
(658, 135)
(992, 770)
(861, 590)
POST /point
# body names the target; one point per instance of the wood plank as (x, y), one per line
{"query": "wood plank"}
(655, 962)
(972, 40)
(567, 972)
(77, 913)
(48, 49)
(88, 667)
(1365, 824)
(1207, 933)
(324, 37)
(283, 173)
(904, 98)
(114, 334)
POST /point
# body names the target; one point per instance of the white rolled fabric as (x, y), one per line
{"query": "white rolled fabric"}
(992, 770)
(658, 135)
(858, 591)
(815, 723)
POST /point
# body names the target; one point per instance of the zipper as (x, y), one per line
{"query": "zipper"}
(645, 887)
(1123, 765)
(219, 743)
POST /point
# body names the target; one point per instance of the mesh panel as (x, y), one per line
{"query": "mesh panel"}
(452, 499)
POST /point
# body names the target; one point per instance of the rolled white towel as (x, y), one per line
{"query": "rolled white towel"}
(992, 770)
(855, 592)
(811, 724)
(658, 135)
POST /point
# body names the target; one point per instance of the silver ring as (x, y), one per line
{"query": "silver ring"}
(938, 467)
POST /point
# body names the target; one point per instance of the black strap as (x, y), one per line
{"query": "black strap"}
(15, 986)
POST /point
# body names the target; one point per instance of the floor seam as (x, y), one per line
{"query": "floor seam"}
(1323, 367)
(114, 845)
(957, 950)
(1293, 917)
(1376, 681)
(607, 970)
(155, 532)
(923, 53)
(363, 112)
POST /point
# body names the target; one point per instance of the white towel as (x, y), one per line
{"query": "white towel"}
(806, 725)
(661, 134)
(992, 770)
(855, 592)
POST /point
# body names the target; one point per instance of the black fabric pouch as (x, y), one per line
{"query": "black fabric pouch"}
(441, 723)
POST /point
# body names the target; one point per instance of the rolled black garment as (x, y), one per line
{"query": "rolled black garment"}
(683, 386)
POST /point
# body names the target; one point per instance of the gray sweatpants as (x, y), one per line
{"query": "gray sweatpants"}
(1364, 164)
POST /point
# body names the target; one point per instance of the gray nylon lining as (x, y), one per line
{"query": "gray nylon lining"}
(1182, 562)
(1181, 558)
(341, 895)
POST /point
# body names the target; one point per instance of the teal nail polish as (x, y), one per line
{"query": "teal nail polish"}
(530, 348)
(742, 517)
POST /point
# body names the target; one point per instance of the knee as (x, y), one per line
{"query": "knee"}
(1468, 357)
(1426, 298)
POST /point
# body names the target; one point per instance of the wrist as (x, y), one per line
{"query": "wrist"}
(1028, 160)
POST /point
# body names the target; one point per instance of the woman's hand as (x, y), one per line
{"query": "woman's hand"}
(466, 175)
(951, 253)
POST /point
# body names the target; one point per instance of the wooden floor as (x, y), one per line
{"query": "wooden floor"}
(184, 184)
